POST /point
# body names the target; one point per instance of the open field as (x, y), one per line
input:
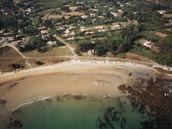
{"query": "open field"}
(133, 56)
(50, 4)
(8, 52)
(60, 51)
(48, 15)
(168, 15)
(7, 65)
(163, 35)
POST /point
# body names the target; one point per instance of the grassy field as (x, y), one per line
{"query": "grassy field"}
(142, 51)
(132, 56)
(163, 35)
(48, 15)
(7, 65)
(60, 51)
(49, 4)
(8, 52)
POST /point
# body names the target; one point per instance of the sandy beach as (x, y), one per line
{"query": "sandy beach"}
(91, 79)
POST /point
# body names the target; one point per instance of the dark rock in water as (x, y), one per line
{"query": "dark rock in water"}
(15, 124)
(156, 95)
(110, 116)
(77, 97)
(123, 123)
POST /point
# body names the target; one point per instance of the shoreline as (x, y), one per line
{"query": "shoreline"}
(48, 69)
(63, 97)
(75, 77)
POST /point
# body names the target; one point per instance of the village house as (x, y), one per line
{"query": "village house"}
(92, 15)
(161, 12)
(115, 14)
(146, 43)
(44, 31)
(2, 39)
(69, 33)
(120, 11)
(115, 26)
(51, 43)
(89, 32)
(94, 10)
(5, 11)
(82, 29)
(101, 17)
(10, 38)
(1, 32)
(128, 4)
(102, 30)
(99, 27)
(6, 39)
(121, 5)
(84, 16)
(45, 36)
(71, 38)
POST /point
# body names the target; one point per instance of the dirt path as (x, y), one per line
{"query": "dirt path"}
(20, 53)
(67, 44)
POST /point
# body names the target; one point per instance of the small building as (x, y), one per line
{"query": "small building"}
(89, 32)
(82, 29)
(102, 30)
(70, 38)
(84, 16)
(101, 17)
(147, 44)
(161, 12)
(120, 11)
(99, 27)
(114, 14)
(92, 14)
(10, 38)
(3, 39)
(51, 43)
(6, 39)
(44, 31)
(68, 33)
(115, 26)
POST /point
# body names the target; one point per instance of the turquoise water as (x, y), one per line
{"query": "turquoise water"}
(75, 114)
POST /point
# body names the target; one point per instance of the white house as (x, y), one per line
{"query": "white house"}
(50, 43)
(44, 31)
(147, 44)
(115, 26)
(161, 12)
(114, 14)
(84, 16)
(99, 27)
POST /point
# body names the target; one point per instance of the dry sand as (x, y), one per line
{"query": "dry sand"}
(67, 78)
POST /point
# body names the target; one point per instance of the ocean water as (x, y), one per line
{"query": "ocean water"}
(75, 114)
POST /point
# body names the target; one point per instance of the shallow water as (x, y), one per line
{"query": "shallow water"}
(75, 114)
